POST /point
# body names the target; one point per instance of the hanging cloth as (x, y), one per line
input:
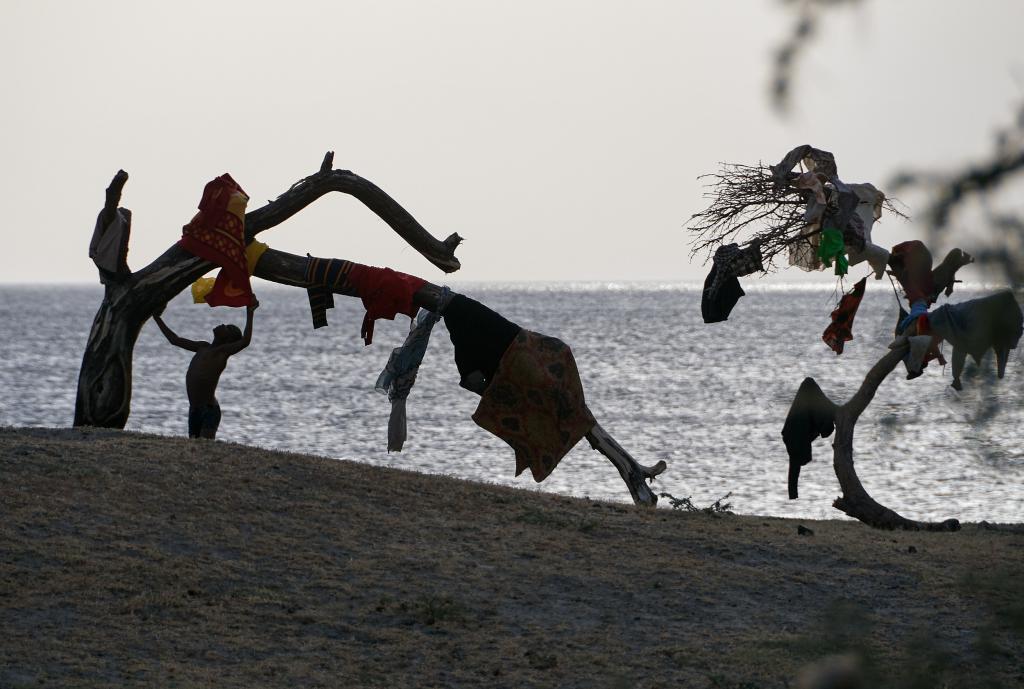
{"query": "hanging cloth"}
(810, 415)
(721, 288)
(480, 337)
(108, 247)
(812, 182)
(717, 304)
(840, 330)
(803, 247)
(217, 234)
(911, 264)
(399, 375)
(841, 213)
(832, 247)
(814, 159)
(944, 275)
(535, 403)
(385, 293)
(869, 210)
(202, 287)
(917, 310)
(325, 276)
(975, 326)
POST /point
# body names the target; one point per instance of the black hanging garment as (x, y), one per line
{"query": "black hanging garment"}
(721, 288)
(811, 415)
(480, 336)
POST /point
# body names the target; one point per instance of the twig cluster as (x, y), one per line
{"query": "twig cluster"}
(744, 198)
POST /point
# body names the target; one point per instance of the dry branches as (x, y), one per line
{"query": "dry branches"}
(743, 197)
(764, 208)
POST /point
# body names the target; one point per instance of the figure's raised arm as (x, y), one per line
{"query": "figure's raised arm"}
(174, 338)
(238, 345)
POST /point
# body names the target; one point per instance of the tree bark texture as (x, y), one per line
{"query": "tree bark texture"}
(855, 500)
(105, 379)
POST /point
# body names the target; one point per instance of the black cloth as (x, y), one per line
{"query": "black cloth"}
(811, 415)
(739, 262)
(716, 305)
(319, 301)
(721, 288)
(480, 336)
(944, 274)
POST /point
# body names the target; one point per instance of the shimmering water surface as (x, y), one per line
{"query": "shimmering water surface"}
(708, 399)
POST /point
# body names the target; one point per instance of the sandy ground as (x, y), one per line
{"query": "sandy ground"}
(130, 560)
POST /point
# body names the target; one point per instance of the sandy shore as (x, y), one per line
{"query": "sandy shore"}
(136, 560)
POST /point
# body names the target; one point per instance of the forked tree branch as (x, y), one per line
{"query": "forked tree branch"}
(855, 500)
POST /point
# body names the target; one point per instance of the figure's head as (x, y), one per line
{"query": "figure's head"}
(224, 334)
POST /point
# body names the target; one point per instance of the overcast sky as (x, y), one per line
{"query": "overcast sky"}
(561, 139)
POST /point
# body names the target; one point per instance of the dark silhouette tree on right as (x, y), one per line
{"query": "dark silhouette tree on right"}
(772, 208)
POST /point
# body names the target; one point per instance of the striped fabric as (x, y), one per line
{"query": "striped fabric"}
(328, 275)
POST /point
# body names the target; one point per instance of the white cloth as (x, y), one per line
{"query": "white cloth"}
(868, 210)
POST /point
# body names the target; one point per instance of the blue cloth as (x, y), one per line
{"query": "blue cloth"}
(917, 309)
(399, 374)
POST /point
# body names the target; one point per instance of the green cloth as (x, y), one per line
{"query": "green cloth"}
(832, 247)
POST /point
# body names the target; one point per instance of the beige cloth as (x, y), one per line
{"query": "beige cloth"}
(803, 253)
(813, 182)
(868, 210)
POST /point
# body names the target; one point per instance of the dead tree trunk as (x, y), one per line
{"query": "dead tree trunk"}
(105, 380)
(855, 500)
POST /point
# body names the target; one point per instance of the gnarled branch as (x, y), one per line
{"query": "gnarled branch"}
(855, 500)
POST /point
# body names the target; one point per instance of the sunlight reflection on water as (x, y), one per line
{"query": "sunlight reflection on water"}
(708, 399)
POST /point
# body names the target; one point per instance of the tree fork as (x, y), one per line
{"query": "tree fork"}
(855, 500)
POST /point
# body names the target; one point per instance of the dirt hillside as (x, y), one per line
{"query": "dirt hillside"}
(131, 560)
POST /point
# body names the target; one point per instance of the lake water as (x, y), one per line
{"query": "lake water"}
(710, 400)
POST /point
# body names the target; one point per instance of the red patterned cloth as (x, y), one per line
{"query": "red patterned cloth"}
(840, 330)
(535, 403)
(217, 234)
(385, 294)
